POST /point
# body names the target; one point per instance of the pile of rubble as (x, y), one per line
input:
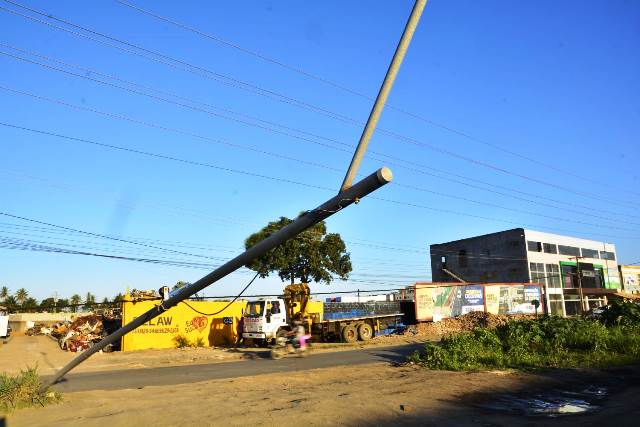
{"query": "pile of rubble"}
(468, 322)
(80, 334)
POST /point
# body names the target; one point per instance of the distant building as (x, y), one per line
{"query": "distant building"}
(520, 255)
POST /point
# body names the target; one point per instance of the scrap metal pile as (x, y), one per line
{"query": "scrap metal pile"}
(81, 333)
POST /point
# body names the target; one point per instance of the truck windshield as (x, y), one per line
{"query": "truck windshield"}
(254, 309)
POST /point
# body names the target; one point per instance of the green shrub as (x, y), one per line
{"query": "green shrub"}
(621, 313)
(534, 343)
(23, 390)
(181, 341)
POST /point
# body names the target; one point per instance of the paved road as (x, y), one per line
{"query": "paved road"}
(138, 378)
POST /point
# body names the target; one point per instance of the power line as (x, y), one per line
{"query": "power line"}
(175, 63)
(289, 158)
(103, 236)
(293, 101)
(166, 93)
(150, 154)
(226, 306)
(164, 157)
(217, 141)
(46, 248)
(169, 101)
(344, 88)
(120, 250)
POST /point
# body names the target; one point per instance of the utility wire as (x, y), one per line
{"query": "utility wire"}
(164, 157)
(346, 89)
(303, 161)
(314, 108)
(166, 100)
(161, 156)
(438, 252)
(103, 236)
(226, 306)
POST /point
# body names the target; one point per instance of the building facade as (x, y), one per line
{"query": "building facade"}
(569, 268)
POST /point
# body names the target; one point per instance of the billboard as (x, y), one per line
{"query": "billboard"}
(441, 302)
(436, 301)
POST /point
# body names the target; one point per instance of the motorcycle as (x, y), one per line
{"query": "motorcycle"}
(287, 345)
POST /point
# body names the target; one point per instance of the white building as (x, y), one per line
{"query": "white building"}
(520, 255)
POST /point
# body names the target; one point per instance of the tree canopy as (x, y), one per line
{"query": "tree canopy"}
(312, 255)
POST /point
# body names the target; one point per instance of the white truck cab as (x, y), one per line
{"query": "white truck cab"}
(263, 319)
(5, 330)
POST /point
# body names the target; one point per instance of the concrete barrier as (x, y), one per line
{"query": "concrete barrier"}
(20, 322)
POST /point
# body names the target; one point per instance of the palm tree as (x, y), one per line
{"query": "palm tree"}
(21, 296)
(10, 302)
(30, 304)
(89, 301)
(74, 301)
(4, 293)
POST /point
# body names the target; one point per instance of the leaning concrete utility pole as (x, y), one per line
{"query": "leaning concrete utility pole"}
(383, 94)
(348, 195)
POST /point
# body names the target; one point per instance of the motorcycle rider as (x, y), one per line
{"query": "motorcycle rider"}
(297, 335)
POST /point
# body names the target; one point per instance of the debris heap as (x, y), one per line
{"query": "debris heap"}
(467, 322)
(82, 333)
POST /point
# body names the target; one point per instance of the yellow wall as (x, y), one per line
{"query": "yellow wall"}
(182, 320)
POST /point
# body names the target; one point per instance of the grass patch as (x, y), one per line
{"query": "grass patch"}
(613, 339)
(181, 341)
(23, 390)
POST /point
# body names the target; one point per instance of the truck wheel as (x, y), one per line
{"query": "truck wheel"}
(349, 334)
(365, 332)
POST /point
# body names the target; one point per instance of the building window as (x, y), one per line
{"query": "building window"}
(590, 253)
(608, 255)
(569, 250)
(537, 272)
(568, 273)
(534, 246)
(462, 258)
(555, 305)
(553, 276)
(550, 248)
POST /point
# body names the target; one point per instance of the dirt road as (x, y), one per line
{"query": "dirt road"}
(362, 395)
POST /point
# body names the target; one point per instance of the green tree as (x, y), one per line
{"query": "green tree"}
(180, 284)
(105, 303)
(89, 301)
(74, 301)
(48, 304)
(21, 296)
(312, 255)
(30, 304)
(4, 293)
(117, 300)
(11, 303)
(63, 304)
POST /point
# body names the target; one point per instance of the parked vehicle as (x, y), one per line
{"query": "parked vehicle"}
(5, 329)
(266, 319)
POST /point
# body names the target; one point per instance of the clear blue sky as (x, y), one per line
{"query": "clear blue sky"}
(549, 92)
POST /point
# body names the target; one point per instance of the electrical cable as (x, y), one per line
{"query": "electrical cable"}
(103, 236)
(190, 162)
(226, 306)
(303, 161)
(315, 108)
(344, 88)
